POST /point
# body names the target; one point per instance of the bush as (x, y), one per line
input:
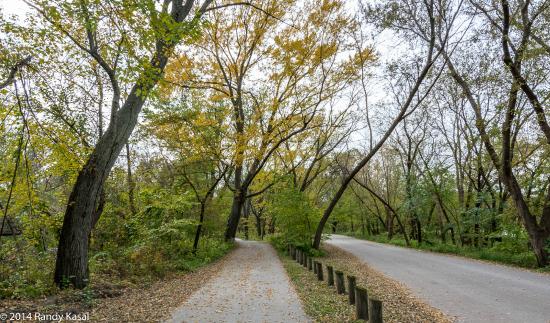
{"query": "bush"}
(25, 272)
(296, 217)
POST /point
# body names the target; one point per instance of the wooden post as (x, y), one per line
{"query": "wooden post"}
(319, 271)
(361, 303)
(330, 276)
(309, 263)
(299, 256)
(351, 289)
(375, 311)
(315, 267)
(305, 260)
(340, 287)
(293, 253)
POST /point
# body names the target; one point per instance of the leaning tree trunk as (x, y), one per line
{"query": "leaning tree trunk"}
(538, 233)
(402, 114)
(81, 214)
(234, 216)
(72, 252)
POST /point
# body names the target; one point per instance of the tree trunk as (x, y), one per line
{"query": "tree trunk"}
(259, 227)
(72, 252)
(234, 216)
(246, 215)
(538, 233)
(442, 231)
(389, 223)
(538, 242)
(271, 228)
(199, 228)
(419, 230)
(131, 184)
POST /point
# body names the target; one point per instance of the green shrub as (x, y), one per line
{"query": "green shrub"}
(296, 218)
(24, 271)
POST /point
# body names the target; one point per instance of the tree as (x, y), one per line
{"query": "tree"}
(305, 71)
(521, 49)
(192, 129)
(170, 23)
(538, 230)
(431, 54)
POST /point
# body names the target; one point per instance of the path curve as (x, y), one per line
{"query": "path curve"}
(252, 287)
(472, 291)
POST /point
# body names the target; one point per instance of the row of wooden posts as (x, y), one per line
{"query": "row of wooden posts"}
(365, 308)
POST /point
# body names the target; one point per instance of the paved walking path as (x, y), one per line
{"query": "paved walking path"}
(252, 287)
(471, 290)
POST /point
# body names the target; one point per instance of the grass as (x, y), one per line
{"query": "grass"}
(320, 301)
(525, 259)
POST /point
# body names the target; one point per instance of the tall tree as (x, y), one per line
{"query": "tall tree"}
(168, 24)
(276, 71)
(431, 24)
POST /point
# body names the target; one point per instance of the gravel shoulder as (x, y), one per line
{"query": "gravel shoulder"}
(252, 286)
(471, 291)
(400, 305)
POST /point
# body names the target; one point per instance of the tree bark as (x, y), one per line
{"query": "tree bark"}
(234, 216)
(199, 228)
(72, 252)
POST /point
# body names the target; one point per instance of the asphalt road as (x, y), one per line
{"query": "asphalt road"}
(251, 287)
(470, 290)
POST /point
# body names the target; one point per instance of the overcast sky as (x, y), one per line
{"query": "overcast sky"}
(14, 7)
